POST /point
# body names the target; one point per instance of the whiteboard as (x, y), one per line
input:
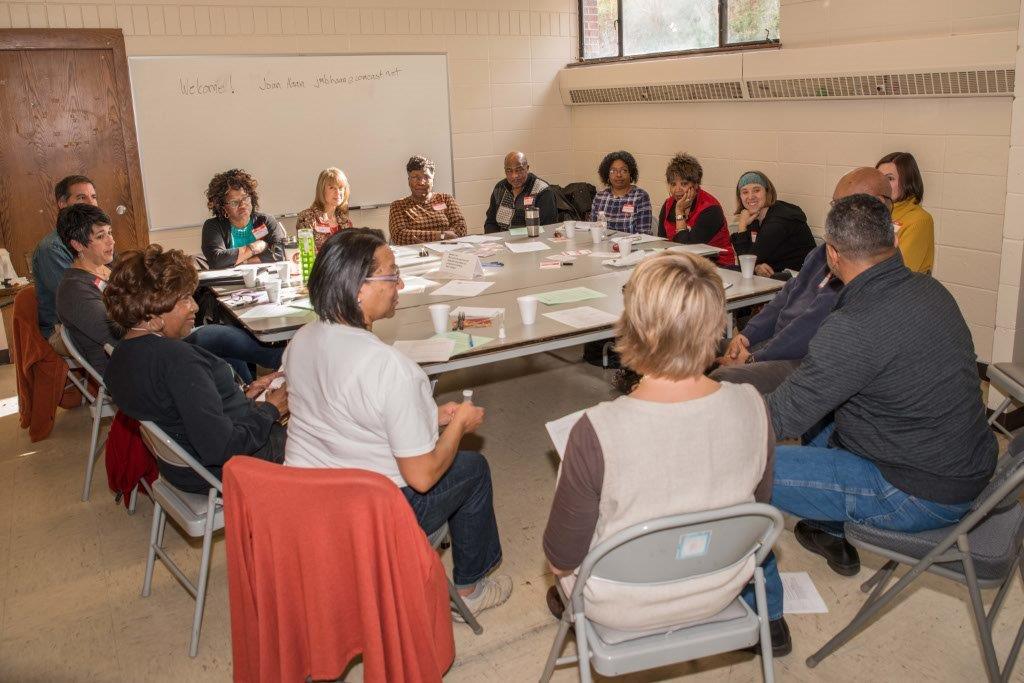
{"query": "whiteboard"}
(284, 118)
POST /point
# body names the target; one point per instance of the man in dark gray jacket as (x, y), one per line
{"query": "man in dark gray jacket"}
(892, 371)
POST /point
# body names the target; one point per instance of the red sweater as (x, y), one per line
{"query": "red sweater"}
(325, 564)
(706, 224)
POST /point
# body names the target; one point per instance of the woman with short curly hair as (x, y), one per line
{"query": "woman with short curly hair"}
(238, 233)
(691, 215)
(625, 206)
(187, 391)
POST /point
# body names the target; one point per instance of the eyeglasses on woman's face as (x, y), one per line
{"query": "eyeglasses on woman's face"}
(236, 204)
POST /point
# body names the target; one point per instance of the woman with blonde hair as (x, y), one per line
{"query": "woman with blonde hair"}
(670, 447)
(329, 212)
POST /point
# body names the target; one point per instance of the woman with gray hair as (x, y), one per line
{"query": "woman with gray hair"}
(425, 215)
(670, 447)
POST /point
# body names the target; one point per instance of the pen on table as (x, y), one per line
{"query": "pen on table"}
(471, 341)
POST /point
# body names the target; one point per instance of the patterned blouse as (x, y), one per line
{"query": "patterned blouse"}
(413, 221)
(629, 213)
(316, 220)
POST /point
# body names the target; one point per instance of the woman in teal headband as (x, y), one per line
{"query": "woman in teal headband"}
(773, 230)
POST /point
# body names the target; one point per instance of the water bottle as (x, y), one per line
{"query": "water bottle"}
(467, 395)
(532, 222)
(307, 252)
(602, 222)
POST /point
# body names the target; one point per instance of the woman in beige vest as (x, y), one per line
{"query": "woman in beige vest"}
(671, 446)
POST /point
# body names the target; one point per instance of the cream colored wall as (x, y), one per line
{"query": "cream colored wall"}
(962, 145)
(503, 61)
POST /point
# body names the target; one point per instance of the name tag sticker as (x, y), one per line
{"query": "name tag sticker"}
(440, 206)
(628, 208)
(528, 200)
(100, 283)
(260, 232)
(325, 229)
(693, 545)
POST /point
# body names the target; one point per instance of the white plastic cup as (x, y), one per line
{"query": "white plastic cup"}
(569, 229)
(439, 316)
(249, 277)
(273, 287)
(283, 271)
(528, 309)
(596, 233)
(625, 246)
(747, 262)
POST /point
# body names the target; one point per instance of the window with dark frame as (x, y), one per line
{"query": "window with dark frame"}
(624, 29)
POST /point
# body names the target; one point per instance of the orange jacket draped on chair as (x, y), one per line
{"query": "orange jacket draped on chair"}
(41, 374)
(326, 564)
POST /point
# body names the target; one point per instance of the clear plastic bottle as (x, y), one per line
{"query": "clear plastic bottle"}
(467, 395)
(307, 252)
(602, 222)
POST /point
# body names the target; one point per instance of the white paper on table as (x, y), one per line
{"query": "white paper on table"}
(603, 254)
(698, 249)
(270, 310)
(799, 594)
(523, 247)
(415, 283)
(443, 247)
(461, 288)
(433, 350)
(582, 317)
(205, 275)
(641, 238)
(630, 259)
(559, 430)
(479, 239)
(478, 312)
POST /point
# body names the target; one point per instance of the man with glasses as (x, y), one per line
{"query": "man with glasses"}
(520, 190)
(774, 341)
(51, 258)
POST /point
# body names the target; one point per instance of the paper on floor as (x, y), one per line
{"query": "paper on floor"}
(583, 317)
(433, 350)
(461, 288)
(559, 430)
(799, 594)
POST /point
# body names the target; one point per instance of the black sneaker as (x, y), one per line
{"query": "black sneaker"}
(782, 642)
(842, 557)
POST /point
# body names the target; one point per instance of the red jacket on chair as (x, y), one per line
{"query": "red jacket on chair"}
(323, 565)
(40, 373)
(127, 458)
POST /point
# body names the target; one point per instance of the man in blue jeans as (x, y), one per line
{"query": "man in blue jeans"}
(892, 375)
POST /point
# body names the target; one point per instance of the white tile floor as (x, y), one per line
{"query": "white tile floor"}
(71, 572)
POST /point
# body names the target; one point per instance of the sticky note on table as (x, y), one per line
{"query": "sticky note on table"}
(568, 296)
(461, 340)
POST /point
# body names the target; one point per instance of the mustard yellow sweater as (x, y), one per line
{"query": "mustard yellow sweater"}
(915, 232)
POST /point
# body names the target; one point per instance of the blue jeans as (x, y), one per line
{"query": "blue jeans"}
(462, 498)
(830, 486)
(237, 347)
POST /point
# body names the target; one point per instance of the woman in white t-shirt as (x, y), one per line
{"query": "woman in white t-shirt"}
(357, 402)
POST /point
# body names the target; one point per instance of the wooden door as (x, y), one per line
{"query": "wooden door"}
(66, 108)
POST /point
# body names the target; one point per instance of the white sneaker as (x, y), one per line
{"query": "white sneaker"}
(493, 591)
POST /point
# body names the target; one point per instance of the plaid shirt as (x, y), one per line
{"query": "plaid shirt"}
(412, 221)
(629, 213)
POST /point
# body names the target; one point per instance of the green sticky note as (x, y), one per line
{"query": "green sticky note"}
(462, 341)
(568, 296)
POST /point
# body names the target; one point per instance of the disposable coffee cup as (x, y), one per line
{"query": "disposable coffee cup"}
(625, 246)
(596, 233)
(747, 262)
(273, 287)
(249, 277)
(528, 309)
(439, 316)
(569, 229)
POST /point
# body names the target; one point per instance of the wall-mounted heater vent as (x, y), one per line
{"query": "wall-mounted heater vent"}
(973, 83)
(672, 92)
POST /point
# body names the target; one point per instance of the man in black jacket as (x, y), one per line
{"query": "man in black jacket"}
(894, 366)
(519, 191)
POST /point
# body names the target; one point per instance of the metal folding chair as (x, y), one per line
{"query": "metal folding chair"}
(984, 550)
(1008, 378)
(648, 554)
(198, 515)
(437, 539)
(100, 406)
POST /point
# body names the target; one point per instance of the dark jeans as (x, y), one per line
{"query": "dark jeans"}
(462, 498)
(237, 347)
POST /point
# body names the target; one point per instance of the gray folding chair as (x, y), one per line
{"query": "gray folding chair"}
(984, 550)
(436, 539)
(1008, 378)
(100, 406)
(196, 514)
(648, 554)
